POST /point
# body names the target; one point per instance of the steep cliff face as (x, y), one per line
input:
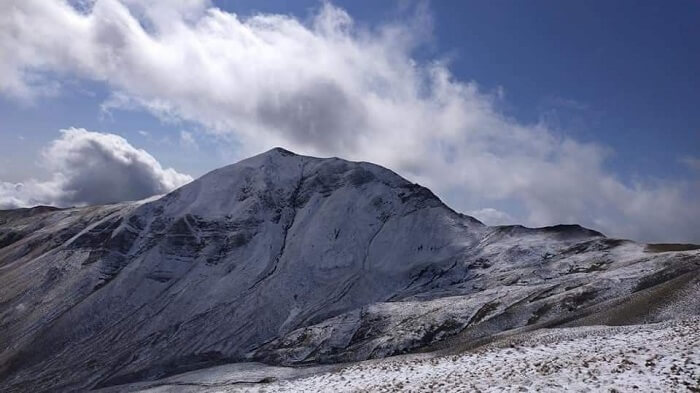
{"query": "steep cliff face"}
(289, 259)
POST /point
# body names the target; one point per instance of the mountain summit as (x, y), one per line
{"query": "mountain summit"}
(289, 259)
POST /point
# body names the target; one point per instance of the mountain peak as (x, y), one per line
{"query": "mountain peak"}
(279, 151)
(278, 178)
(273, 155)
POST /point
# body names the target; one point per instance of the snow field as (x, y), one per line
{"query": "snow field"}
(643, 358)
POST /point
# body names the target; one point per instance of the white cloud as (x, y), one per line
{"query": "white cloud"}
(327, 87)
(691, 162)
(188, 141)
(491, 216)
(92, 168)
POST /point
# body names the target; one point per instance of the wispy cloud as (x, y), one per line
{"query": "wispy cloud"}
(491, 216)
(691, 162)
(188, 141)
(328, 87)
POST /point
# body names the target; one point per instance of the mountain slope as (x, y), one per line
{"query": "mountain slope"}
(288, 259)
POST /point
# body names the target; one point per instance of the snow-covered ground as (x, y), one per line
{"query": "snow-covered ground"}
(661, 357)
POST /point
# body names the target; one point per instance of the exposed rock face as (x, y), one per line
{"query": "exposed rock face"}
(290, 259)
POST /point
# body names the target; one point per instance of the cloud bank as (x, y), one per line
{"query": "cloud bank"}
(327, 87)
(92, 168)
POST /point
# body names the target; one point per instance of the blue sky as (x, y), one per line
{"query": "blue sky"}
(622, 73)
(607, 89)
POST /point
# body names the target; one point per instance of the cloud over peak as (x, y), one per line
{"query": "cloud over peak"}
(328, 87)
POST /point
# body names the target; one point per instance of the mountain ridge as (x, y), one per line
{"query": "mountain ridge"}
(288, 259)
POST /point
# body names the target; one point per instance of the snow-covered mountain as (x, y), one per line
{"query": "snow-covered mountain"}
(288, 259)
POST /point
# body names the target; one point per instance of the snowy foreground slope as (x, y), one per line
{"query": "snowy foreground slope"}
(293, 260)
(663, 357)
